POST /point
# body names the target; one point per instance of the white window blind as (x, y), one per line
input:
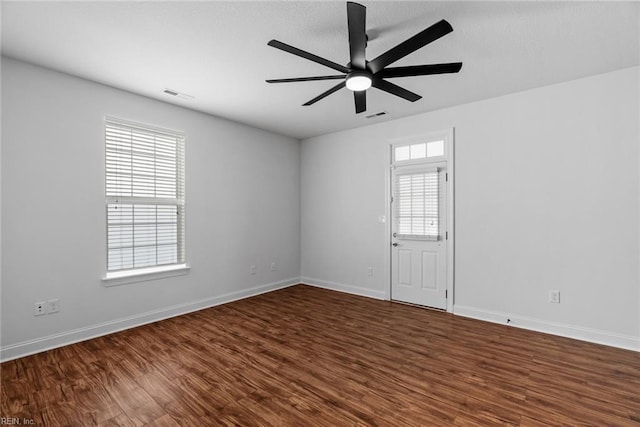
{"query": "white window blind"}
(144, 196)
(417, 205)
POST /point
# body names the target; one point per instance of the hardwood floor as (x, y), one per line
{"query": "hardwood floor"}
(311, 357)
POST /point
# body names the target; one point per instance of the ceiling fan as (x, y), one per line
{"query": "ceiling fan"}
(360, 74)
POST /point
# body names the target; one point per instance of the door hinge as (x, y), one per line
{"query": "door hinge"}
(446, 294)
(446, 176)
(446, 235)
(391, 199)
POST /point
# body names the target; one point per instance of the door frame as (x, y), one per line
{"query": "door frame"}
(448, 136)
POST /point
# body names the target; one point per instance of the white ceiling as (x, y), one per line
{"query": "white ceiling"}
(218, 53)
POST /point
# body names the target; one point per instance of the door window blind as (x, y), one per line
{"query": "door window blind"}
(144, 196)
(417, 205)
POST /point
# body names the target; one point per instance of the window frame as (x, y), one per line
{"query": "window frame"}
(420, 140)
(154, 271)
(397, 208)
(445, 161)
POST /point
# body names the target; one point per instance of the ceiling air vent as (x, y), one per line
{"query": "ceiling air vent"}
(371, 116)
(178, 94)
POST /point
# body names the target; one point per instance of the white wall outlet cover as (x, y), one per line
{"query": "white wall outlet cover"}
(53, 306)
(39, 308)
(382, 219)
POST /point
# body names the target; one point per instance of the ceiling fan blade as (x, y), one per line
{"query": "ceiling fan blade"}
(304, 79)
(410, 45)
(420, 70)
(395, 90)
(360, 98)
(356, 18)
(325, 94)
(306, 55)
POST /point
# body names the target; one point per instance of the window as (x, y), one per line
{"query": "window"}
(422, 150)
(417, 205)
(144, 196)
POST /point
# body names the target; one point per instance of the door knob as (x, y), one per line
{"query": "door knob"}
(394, 244)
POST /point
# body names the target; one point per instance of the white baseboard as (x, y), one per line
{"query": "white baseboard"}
(627, 342)
(38, 345)
(341, 287)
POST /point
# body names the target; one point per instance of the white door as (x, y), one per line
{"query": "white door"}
(419, 236)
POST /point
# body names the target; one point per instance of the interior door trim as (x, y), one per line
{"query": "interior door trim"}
(449, 135)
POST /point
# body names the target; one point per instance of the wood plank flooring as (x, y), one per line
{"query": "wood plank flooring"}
(310, 357)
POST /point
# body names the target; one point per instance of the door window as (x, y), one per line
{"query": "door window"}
(417, 205)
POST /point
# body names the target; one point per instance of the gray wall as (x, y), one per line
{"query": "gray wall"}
(547, 193)
(242, 199)
(546, 198)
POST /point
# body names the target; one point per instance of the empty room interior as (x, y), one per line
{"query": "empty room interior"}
(320, 213)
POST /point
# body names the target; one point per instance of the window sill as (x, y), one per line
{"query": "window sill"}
(144, 274)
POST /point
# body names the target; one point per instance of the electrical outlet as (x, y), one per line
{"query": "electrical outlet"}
(53, 306)
(554, 296)
(370, 271)
(39, 308)
(252, 269)
(273, 266)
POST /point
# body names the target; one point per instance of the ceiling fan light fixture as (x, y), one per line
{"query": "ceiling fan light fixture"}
(358, 81)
